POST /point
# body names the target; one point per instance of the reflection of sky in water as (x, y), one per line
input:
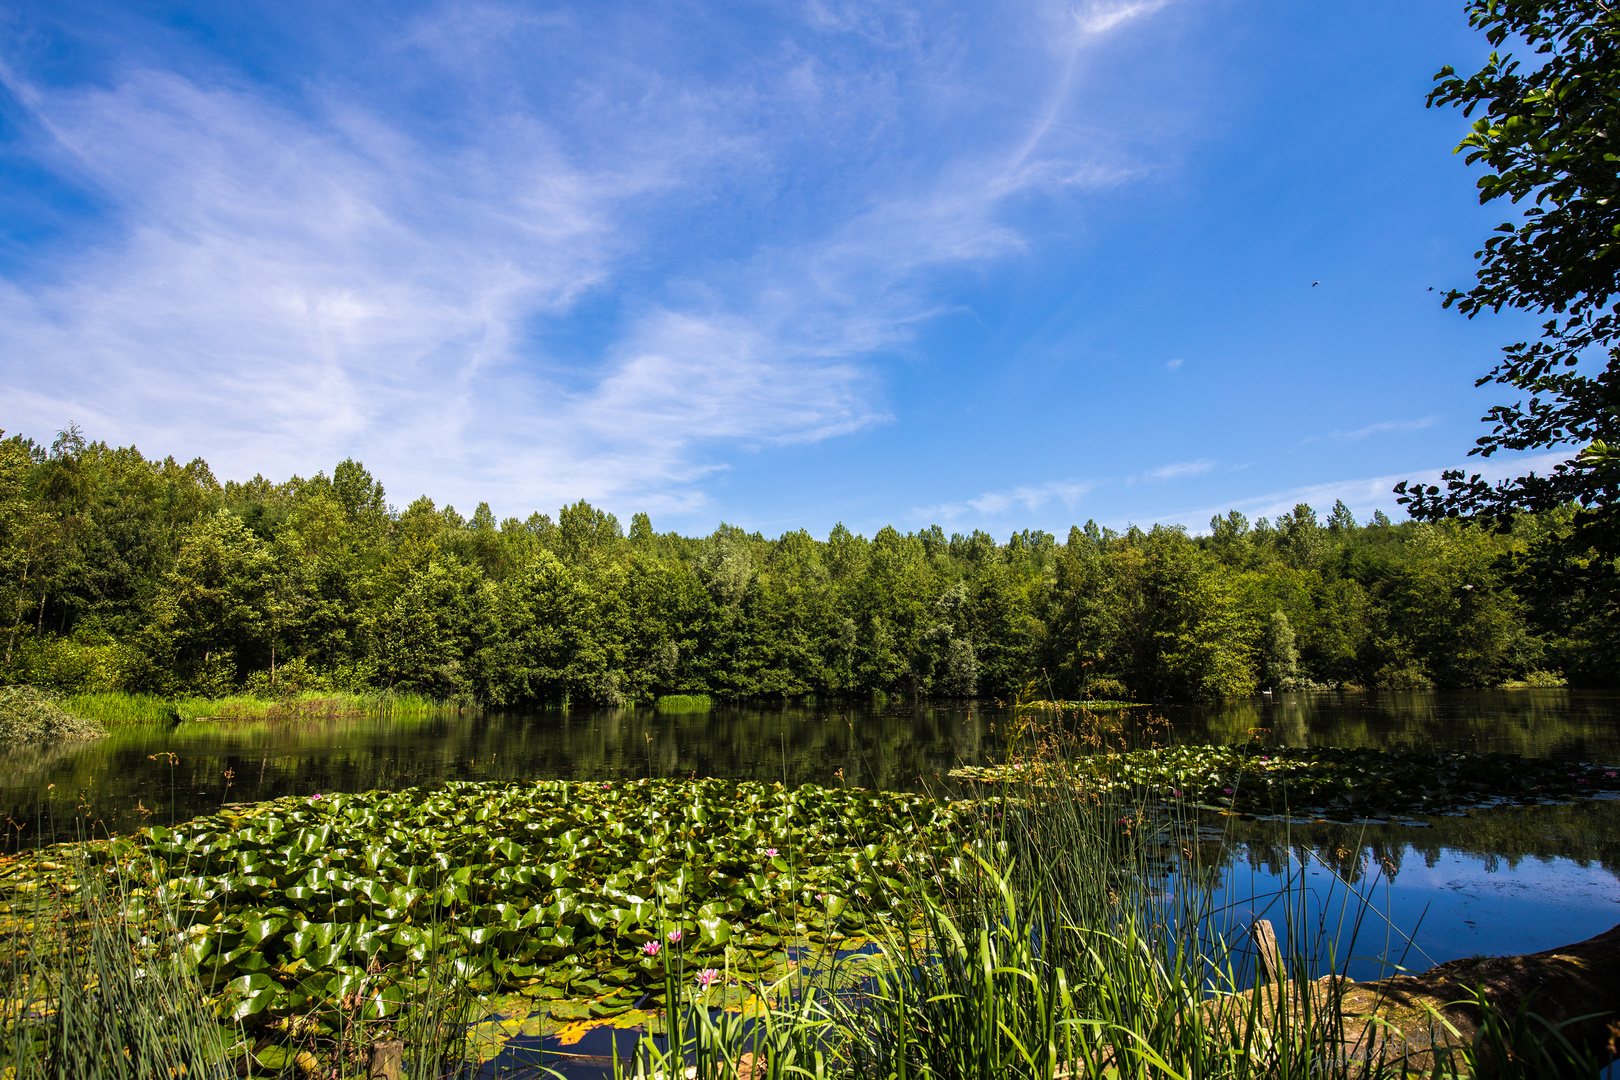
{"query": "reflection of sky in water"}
(1463, 905)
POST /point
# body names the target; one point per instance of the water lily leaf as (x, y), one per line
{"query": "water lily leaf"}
(249, 994)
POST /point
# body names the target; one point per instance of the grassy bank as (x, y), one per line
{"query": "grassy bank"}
(113, 709)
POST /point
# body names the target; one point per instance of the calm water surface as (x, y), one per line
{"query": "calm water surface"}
(163, 774)
(1505, 881)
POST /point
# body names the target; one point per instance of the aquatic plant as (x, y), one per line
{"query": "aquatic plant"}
(100, 981)
(1337, 782)
(92, 990)
(552, 888)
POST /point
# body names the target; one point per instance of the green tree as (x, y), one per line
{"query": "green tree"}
(1549, 135)
(1279, 658)
(433, 636)
(213, 617)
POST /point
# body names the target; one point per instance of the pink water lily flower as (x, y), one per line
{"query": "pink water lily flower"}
(651, 948)
(708, 977)
(770, 853)
(1227, 790)
(674, 936)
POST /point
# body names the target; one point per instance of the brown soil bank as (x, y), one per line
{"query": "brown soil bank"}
(1574, 987)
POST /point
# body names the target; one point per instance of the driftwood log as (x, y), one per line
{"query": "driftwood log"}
(1411, 1017)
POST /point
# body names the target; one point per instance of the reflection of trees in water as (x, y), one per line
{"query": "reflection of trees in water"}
(901, 746)
(1588, 834)
(907, 747)
(1536, 723)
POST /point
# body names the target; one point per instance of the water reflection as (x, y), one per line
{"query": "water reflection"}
(1500, 881)
(1575, 724)
(163, 774)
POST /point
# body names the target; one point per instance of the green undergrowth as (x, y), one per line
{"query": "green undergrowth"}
(28, 714)
(115, 708)
(1334, 782)
(552, 890)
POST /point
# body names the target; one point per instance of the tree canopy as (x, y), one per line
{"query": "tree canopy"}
(1548, 132)
(119, 572)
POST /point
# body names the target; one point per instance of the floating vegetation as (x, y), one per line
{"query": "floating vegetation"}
(565, 892)
(28, 714)
(1329, 781)
(1079, 706)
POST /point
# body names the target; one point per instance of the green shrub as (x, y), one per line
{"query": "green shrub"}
(84, 663)
(29, 714)
(1538, 679)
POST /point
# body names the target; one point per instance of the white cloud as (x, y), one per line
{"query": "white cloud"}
(283, 282)
(1173, 363)
(1362, 496)
(1178, 469)
(1099, 18)
(1383, 426)
(996, 503)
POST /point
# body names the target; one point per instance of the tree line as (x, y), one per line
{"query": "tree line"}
(123, 573)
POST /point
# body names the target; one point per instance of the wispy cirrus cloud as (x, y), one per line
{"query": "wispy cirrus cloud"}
(996, 503)
(1383, 426)
(1178, 469)
(1362, 496)
(1099, 18)
(284, 279)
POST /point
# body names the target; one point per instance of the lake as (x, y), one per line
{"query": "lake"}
(1499, 881)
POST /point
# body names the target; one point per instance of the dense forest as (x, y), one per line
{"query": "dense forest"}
(122, 573)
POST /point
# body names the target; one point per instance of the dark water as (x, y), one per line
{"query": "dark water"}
(159, 774)
(1503, 881)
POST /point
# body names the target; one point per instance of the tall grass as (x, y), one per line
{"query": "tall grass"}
(92, 991)
(684, 703)
(116, 708)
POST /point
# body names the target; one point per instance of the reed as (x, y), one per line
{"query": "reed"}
(684, 703)
(92, 991)
(118, 709)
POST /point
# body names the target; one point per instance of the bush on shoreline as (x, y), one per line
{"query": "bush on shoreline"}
(28, 714)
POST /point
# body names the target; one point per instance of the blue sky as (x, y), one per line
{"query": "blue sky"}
(779, 264)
